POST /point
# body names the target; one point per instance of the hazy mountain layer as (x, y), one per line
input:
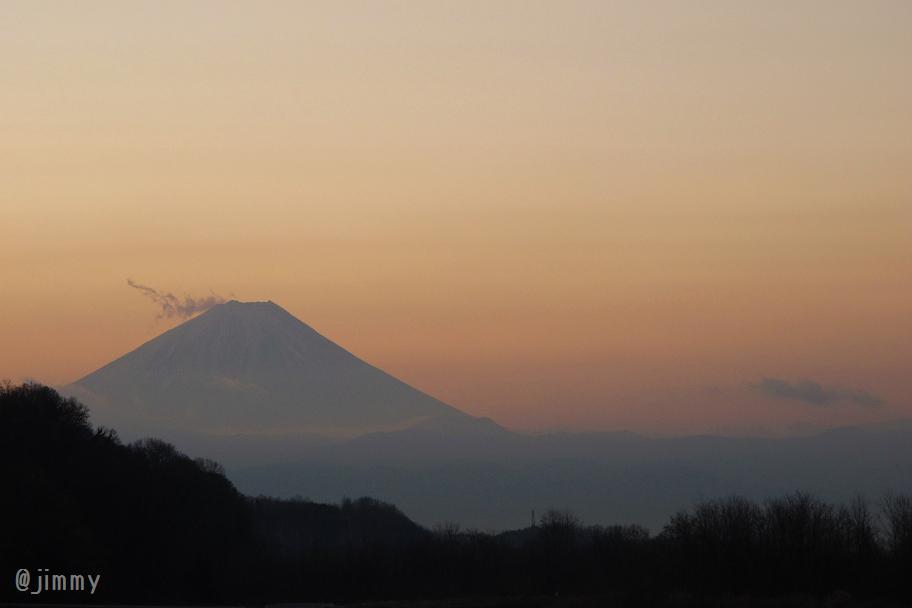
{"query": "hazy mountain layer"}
(494, 480)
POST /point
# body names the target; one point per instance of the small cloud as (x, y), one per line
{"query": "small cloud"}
(816, 394)
(172, 306)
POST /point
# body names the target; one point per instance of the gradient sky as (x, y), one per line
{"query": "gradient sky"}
(580, 215)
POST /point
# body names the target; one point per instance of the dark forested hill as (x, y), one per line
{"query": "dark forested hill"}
(158, 526)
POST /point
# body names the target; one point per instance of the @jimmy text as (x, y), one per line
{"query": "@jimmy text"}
(44, 581)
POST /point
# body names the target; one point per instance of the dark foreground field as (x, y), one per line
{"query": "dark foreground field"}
(163, 529)
(676, 600)
(837, 599)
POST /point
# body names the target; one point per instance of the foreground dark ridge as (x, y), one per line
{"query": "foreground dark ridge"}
(159, 527)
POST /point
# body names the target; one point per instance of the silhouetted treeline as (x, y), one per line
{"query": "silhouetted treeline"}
(152, 521)
(161, 527)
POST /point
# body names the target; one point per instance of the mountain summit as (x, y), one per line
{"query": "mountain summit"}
(251, 368)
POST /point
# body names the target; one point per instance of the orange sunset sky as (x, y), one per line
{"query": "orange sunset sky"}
(576, 215)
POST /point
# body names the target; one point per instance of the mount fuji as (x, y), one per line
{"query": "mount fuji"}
(288, 412)
(253, 369)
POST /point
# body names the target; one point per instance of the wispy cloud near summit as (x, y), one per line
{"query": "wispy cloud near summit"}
(172, 306)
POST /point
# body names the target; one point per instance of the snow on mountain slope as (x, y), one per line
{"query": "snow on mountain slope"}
(251, 368)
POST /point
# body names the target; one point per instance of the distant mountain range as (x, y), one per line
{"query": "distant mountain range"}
(494, 480)
(291, 413)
